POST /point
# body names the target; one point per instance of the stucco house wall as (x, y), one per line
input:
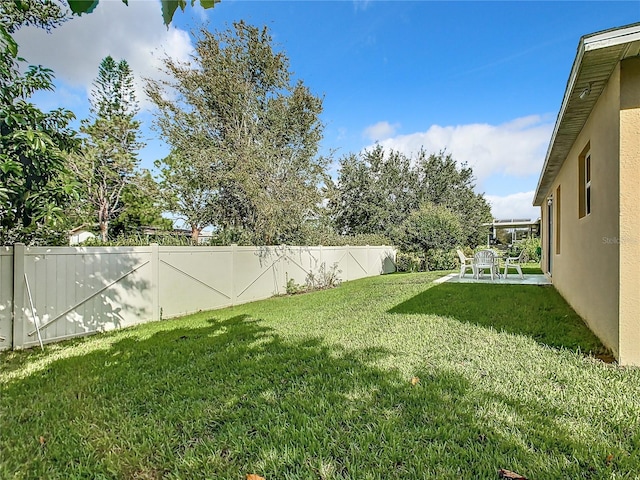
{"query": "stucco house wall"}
(585, 269)
(593, 257)
(629, 195)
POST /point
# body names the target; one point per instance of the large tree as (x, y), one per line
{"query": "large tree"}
(430, 227)
(108, 161)
(443, 181)
(377, 190)
(244, 133)
(34, 185)
(142, 207)
(189, 192)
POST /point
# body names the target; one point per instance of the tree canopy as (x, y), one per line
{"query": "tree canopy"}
(46, 14)
(108, 161)
(34, 185)
(244, 151)
(244, 133)
(141, 207)
(374, 191)
(377, 190)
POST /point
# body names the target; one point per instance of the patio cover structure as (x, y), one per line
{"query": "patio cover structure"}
(533, 226)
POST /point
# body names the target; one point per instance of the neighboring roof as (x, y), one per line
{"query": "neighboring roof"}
(598, 54)
(512, 223)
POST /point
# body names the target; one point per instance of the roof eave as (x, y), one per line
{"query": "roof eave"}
(588, 43)
(563, 107)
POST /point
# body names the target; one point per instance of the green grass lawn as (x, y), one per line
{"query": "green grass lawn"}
(319, 386)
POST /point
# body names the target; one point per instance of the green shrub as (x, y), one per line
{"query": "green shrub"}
(434, 259)
(35, 235)
(431, 227)
(410, 262)
(438, 259)
(294, 288)
(325, 278)
(319, 237)
(140, 240)
(531, 246)
(468, 251)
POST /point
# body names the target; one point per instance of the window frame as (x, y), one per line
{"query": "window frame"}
(587, 184)
(558, 203)
(585, 177)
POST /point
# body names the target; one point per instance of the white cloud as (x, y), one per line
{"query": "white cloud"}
(516, 205)
(380, 131)
(504, 156)
(516, 148)
(134, 33)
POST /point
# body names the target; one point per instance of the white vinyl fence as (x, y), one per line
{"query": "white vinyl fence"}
(51, 293)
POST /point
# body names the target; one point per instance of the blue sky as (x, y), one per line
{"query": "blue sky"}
(483, 80)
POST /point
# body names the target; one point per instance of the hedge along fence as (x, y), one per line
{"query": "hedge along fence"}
(48, 294)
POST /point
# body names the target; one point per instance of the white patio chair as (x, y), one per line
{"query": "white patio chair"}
(515, 263)
(481, 261)
(465, 263)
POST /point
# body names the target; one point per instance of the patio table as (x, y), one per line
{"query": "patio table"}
(486, 259)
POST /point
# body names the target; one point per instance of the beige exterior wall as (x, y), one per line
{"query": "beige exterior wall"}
(586, 271)
(629, 240)
(598, 267)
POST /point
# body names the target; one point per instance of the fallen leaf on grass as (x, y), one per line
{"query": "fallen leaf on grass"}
(609, 459)
(415, 380)
(253, 476)
(503, 473)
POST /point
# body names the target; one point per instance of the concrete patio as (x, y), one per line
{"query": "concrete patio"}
(512, 279)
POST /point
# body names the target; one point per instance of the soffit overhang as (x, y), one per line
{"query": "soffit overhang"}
(598, 54)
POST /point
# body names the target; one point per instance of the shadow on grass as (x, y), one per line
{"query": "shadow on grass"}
(234, 397)
(538, 312)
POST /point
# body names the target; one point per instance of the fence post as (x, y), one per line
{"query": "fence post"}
(18, 295)
(155, 282)
(234, 247)
(346, 264)
(282, 268)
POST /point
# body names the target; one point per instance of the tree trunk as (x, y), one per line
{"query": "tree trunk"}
(195, 233)
(103, 221)
(104, 229)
